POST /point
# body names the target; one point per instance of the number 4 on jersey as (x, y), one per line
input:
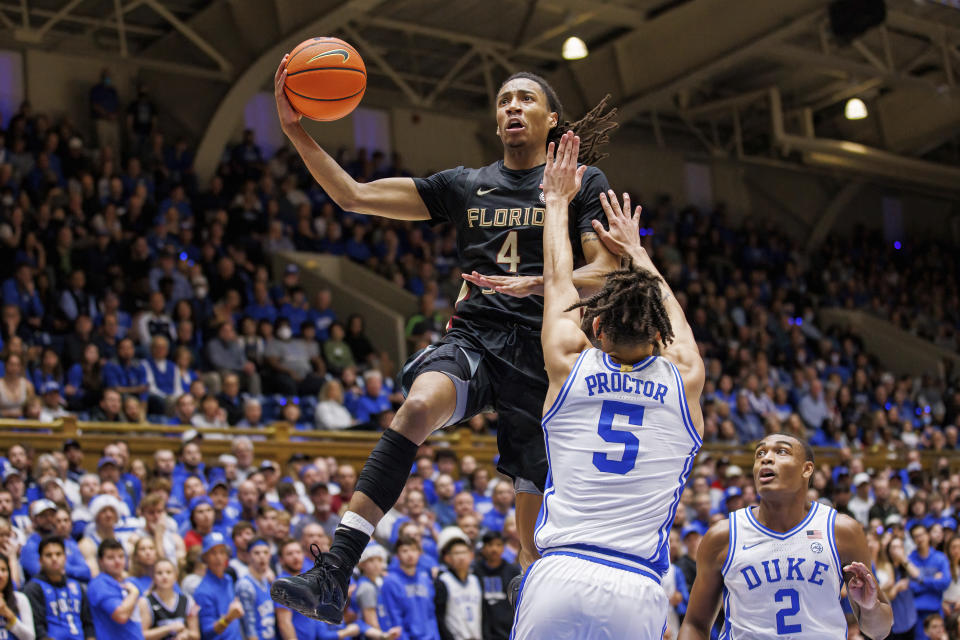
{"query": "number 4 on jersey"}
(509, 253)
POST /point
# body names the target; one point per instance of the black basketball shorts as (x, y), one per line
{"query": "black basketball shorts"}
(498, 370)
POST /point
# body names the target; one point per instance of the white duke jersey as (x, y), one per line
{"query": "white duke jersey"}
(620, 443)
(783, 585)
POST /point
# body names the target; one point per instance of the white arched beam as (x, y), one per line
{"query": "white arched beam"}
(230, 109)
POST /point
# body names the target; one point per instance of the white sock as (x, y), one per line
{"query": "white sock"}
(358, 522)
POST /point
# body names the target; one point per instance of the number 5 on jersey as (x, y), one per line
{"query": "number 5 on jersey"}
(631, 444)
(509, 253)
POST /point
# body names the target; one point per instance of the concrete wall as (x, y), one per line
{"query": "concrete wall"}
(59, 84)
(896, 349)
(384, 306)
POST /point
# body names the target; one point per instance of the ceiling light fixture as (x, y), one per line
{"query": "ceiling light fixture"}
(574, 49)
(855, 109)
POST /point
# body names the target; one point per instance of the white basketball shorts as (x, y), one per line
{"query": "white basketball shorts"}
(568, 597)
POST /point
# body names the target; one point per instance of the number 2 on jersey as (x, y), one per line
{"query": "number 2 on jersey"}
(631, 444)
(509, 253)
(794, 608)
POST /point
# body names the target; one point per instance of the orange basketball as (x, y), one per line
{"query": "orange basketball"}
(326, 78)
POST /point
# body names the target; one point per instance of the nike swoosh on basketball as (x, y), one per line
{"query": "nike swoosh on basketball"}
(482, 192)
(745, 547)
(332, 52)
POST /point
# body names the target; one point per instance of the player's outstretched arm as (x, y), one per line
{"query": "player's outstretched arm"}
(708, 586)
(389, 197)
(561, 336)
(869, 602)
(623, 239)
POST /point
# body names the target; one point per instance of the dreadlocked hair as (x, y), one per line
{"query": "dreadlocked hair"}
(630, 308)
(593, 128)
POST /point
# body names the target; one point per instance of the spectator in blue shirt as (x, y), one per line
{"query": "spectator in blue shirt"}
(253, 592)
(261, 307)
(21, 291)
(220, 611)
(42, 513)
(407, 596)
(503, 496)
(112, 602)
(126, 375)
(934, 576)
(60, 607)
(292, 624)
(104, 110)
(748, 423)
(374, 400)
(322, 315)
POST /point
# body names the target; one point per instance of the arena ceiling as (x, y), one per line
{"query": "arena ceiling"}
(731, 78)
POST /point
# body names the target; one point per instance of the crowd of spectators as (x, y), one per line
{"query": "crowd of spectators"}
(132, 293)
(209, 534)
(180, 548)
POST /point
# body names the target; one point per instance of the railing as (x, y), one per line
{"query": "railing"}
(277, 441)
(280, 440)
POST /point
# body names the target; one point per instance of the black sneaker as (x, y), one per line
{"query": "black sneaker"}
(513, 590)
(320, 593)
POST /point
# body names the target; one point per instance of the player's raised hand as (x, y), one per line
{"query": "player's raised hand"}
(623, 238)
(862, 587)
(561, 176)
(516, 286)
(288, 115)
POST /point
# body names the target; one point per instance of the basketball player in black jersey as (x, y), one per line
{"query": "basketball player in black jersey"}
(491, 354)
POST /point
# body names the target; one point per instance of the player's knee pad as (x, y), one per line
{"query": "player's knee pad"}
(386, 471)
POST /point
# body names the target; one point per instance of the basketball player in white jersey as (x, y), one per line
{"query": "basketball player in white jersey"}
(779, 567)
(620, 434)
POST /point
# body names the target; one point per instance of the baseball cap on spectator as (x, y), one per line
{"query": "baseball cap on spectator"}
(105, 501)
(914, 466)
(39, 506)
(448, 536)
(226, 458)
(50, 386)
(212, 540)
(291, 268)
(732, 492)
(298, 457)
(269, 464)
(70, 443)
(687, 530)
(949, 523)
(190, 435)
(319, 486)
(9, 472)
(104, 461)
(307, 467)
(220, 482)
(860, 479)
(733, 471)
(373, 550)
(199, 500)
(893, 520)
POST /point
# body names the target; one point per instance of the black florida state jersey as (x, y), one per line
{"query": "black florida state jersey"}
(498, 213)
